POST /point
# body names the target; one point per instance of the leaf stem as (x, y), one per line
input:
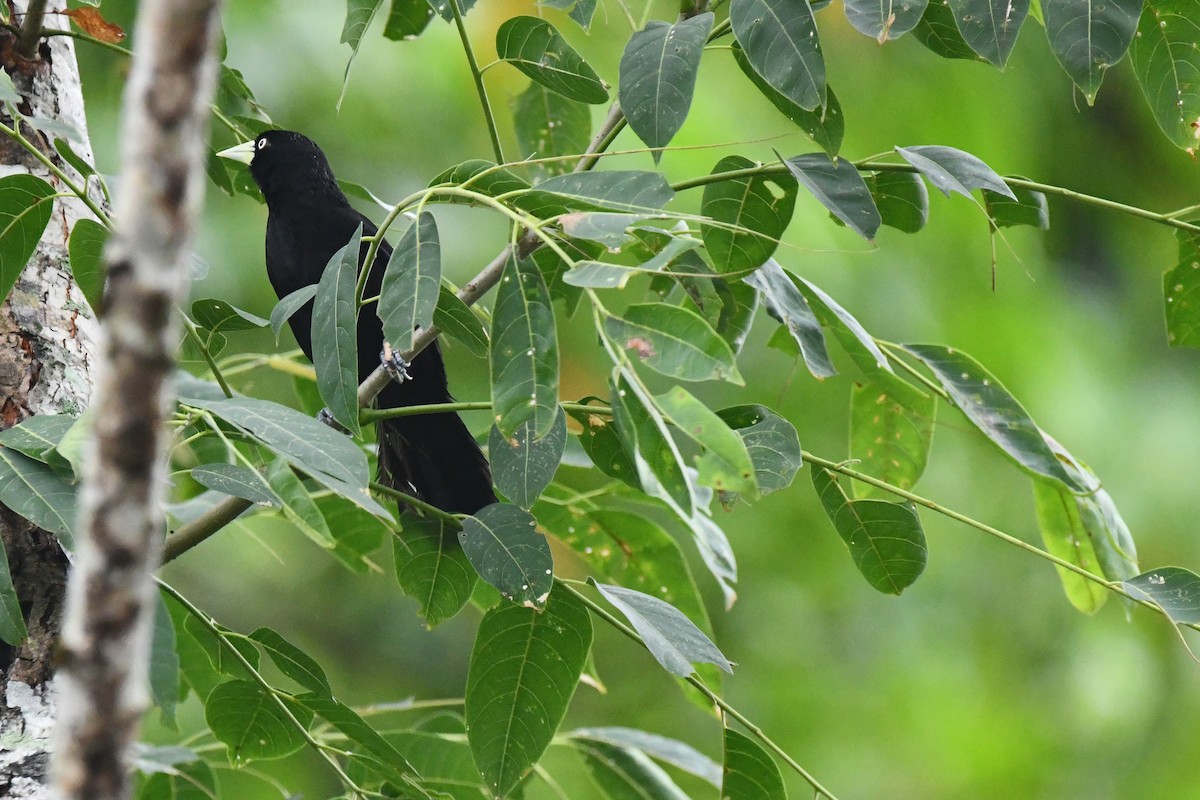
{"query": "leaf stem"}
(190, 328)
(477, 75)
(83, 37)
(15, 134)
(416, 502)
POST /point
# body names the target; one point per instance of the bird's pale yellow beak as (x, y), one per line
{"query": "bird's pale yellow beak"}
(243, 152)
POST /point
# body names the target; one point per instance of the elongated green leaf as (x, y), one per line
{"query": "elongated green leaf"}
(373, 748)
(670, 751)
(623, 773)
(164, 663)
(549, 125)
(524, 353)
(602, 443)
(251, 723)
(289, 305)
(411, 283)
(1168, 66)
(359, 14)
(443, 762)
(885, 539)
(995, 412)
(771, 441)
(1173, 589)
(504, 546)
(335, 334)
(86, 251)
(292, 661)
(609, 228)
(194, 665)
(1029, 208)
(840, 188)
(476, 175)
(407, 19)
(193, 780)
(534, 47)
(12, 621)
(39, 437)
(780, 40)
(902, 199)
(1181, 293)
(938, 31)
(752, 212)
(432, 567)
(883, 20)
(1065, 536)
(216, 648)
(647, 443)
(824, 124)
(891, 432)
(854, 338)
(785, 303)
(749, 773)
(524, 669)
(674, 341)
(658, 76)
(456, 319)
(725, 464)
(1089, 36)
(522, 466)
(607, 190)
(218, 315)
(236, 481)
(298, 505)
(989, 27)
(25, 206)
(952, 170)
(673, 639)
(358, 532)
(37, 493)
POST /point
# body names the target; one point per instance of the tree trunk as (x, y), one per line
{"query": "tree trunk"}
(47, 336)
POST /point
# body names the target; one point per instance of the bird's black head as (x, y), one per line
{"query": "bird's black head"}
(287, 165)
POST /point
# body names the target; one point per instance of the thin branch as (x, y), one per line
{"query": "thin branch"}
(477, 75)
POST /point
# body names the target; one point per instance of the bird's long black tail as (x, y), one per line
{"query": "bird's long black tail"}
(434, 457)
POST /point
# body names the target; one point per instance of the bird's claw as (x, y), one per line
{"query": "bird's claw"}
(325, 416)
(396, 366)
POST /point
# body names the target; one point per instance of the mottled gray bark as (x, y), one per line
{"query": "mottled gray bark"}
(47, 336)
(106, 628)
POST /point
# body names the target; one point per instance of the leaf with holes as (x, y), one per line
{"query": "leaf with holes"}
(411, 283)
(884, 20)
(534, 47)
(825, 124)
(1089, 36)
(251, 723)
(432, 568)
(780, 41)
(725, 464)
(522, 466)
(524, 668)
(524, 352)
(1181, 293)
(749, 215)
(989, 27)
(786, 304)
(503, 544)
(891, 432)
(26, 203)
(1167, 66)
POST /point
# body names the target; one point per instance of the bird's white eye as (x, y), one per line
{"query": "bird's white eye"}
(261, 144)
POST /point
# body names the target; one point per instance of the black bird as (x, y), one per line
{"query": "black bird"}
(309, 219)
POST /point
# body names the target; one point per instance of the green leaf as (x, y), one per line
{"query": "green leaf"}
(12, 620)
(216, 648)
(39, 437)
(780, 41)
(645, 439)
(854, 338)
(164, 663)
(236, 481)
(407, 19)
(623, 773)
(786, 304)
(86, 251)
(938, 31)
(839, 187)
(751, 214)
(524, 669)
(1089, 36)
(359, 14)
(251, 723)
(1065, 536)
(673, 639)
(554, 269)
(951, 170)
(607, 190)
(373, 749)
(292, 661)
(335, 334)
(522, 465)
(995, 412)
(298, 505)
(602, 444)
(609, 228)
(1181, 293)
(442, 760)
(601, 275)
(989, 27)
(26, 204)
(289, 305)
(825, 124)
(503, 544)
(675, 342)
(155, 759)
(749, 772)
(549, 125)
(671, 751)
(1167, 66)
(477, 175)
(884, 20)
(891, 432)
(358, 532)
(36, 492)
(411, 283)
(658, 77)
(456, 319)
(193, 780)
(725, 464)
(534, 47)
(8, 92)
(771, 441)
(432, 568)
(885, 539)
(1029, 208)
(524, 352)
(1173, 589)
(217, 315)
(902, 199)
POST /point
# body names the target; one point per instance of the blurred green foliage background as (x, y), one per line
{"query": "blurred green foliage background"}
(980, 681)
